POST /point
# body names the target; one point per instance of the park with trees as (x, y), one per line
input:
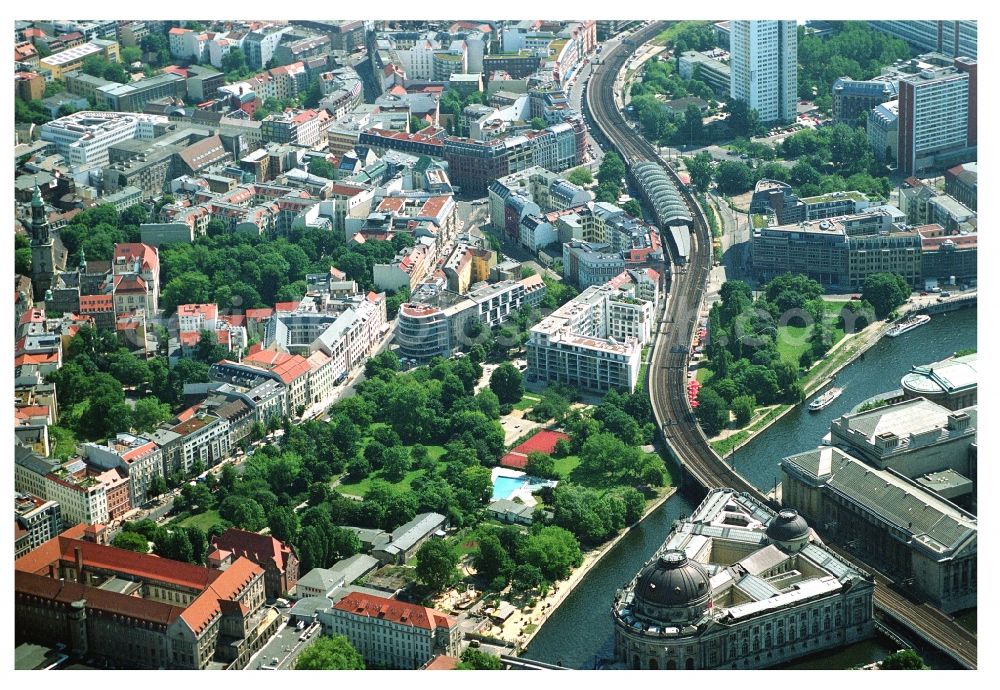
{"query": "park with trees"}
(759, 349)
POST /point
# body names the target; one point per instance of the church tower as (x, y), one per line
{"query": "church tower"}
(42, 248)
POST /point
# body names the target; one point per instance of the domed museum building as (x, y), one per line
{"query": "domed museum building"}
(738, 586)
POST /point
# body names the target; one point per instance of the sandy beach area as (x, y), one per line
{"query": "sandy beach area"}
(516, 629)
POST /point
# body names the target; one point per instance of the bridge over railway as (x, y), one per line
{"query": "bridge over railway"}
(668, 367)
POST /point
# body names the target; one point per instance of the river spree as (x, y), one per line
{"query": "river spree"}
(580, 631)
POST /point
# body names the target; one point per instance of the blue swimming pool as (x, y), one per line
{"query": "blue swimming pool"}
(503, 487)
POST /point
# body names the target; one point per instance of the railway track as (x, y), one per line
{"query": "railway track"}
(668, 368)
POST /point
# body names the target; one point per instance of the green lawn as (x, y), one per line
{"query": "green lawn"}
(565, 466)
(527, 402)
(203, 520)
(703, 375)
(62, 441)
(360, 488)
(464, 542)
(671, 34)
(727, 444)
(793, 340)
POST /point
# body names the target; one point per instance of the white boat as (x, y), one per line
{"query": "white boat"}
(825, 399)
(908, 325)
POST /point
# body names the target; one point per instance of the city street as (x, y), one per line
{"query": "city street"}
(735, 240)
(284, 646)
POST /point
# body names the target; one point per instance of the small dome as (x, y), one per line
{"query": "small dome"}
(673, 581)
(788, 525)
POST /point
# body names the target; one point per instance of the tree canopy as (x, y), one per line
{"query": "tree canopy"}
(330, 654)
(884, 292)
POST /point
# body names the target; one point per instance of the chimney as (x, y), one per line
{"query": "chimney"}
(886, 441)
(78, 557)
(958, 421)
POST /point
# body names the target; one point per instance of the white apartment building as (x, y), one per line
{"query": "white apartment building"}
(407, 269)
(197, 317)
(433, 322)
(345, 329)
(185, 43)
(138, 457)
(763, 64)
(594, 341)
(81, 499)
(84, 138)
(203, 437)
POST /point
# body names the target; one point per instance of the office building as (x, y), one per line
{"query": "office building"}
(925, 541)
(54, 67)
(36, 520)
(29, 86)
(953, 38)
(851, 97)
(138, 458)
(883, 132)
(840, 252)
(936, 117)
(763, 67)
(84, 138)
(259, 46)
(134, 96)
(961, 182)
(707, 67)
(588, 263)
(736, 586)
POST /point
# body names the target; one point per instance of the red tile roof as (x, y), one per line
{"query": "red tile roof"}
(259, 314)
(442, 662)
(286, 306)
(62, 548)
(147, 256)
(30, 358)
(228, 585)
(288, 367)
(130, 283)
(33, 315)
(26, 413)
(434, 205)
(259, 548)
(371, 606)
(206, 311)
